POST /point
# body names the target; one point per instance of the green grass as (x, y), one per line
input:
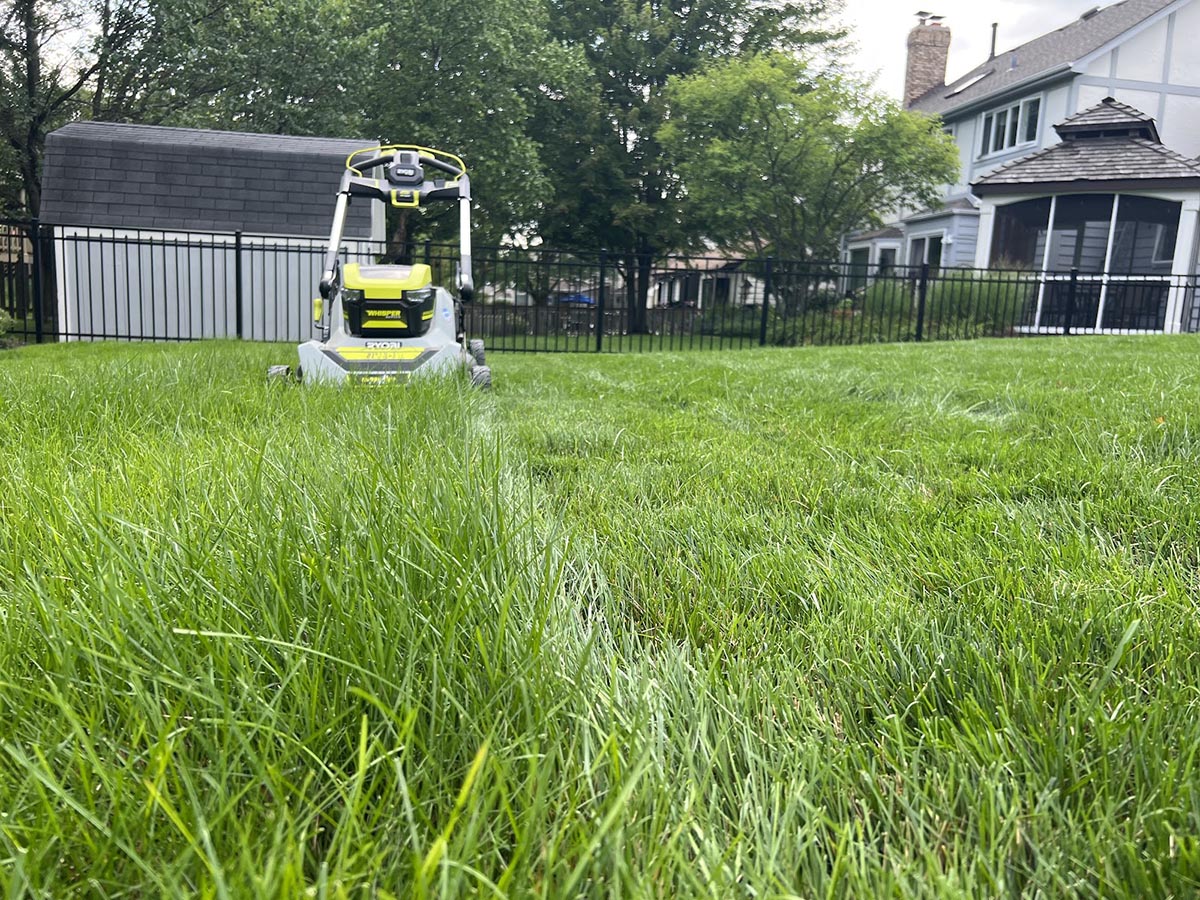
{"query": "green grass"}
(872, 621)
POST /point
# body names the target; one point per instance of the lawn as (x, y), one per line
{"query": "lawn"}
(915, 620)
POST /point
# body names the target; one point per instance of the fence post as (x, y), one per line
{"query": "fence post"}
(1071, 299)
(922, 292)
(428, 251)
(237, 281)
(766, 301)
(600, 303)
(35, 233)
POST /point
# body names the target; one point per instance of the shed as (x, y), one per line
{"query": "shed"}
(179, 233)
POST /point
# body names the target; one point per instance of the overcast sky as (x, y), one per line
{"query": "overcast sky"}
(880, 27)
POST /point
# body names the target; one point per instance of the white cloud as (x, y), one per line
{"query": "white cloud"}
(880, 29)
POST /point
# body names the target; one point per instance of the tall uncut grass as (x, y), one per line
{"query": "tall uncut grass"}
(875, 621)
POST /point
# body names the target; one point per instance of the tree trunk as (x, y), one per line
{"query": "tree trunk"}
(31, 151)
(399, 247)
(641, 269)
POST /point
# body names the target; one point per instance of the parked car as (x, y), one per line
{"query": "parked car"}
(577, 300)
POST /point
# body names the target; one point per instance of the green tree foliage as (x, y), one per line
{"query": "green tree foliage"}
(459, 76)
(123, 60)
(771, 156)
(50, 54)
(464, 76)
(612, 185)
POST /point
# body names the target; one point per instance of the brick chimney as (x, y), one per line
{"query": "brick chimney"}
(928, 49)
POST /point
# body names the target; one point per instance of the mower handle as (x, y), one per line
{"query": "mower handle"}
(432, 162)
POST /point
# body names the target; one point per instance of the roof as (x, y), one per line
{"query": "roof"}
(1110, 118)
(114, 175)
(957, 206)
(1093, 164)
(1043, 57)
(890, 232)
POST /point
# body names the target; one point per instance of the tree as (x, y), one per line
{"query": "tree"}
(48, 59)
(772, 156)
(464, 77)
(460, 76)
(116, 60)
(611, 184)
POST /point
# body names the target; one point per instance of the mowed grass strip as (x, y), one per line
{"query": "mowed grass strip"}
(878, 621)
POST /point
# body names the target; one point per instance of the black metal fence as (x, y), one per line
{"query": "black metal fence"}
(86, 284)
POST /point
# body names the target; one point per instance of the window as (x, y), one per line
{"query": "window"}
(887, 260)
(1010, 127)
(1019, 236)
(927, 249)
(1164, 244)
(1123, 246)
(1079, 238)
(1144, 240)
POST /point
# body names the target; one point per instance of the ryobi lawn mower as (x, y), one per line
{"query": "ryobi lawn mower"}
(380, 323)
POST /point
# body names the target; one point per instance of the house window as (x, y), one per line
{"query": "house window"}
(1079, 238)
(926, 249)
(859, 263)
(1144, 239)
(1019, 236)
(887, 260)
(1121, 245)
(1010, 127)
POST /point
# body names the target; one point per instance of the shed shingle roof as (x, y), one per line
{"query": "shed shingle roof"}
(102, 174)
(1041, 57)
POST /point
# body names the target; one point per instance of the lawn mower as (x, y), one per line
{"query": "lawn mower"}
(381, 323)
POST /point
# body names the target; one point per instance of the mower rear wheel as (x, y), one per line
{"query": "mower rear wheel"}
(476, 350)
(481, 377)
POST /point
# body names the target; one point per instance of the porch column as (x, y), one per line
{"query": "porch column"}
(983, 244)
(1184, 265)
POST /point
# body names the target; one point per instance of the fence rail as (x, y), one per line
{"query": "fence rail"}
(87, 284)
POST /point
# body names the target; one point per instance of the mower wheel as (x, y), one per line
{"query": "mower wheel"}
(279, 373)
(477, 352)
(481, 377)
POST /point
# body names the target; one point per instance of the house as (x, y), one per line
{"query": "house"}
(1138, 52)
(701, 282)
(178, 233)
(1107, 217)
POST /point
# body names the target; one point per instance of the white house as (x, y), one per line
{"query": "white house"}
(1140, 53)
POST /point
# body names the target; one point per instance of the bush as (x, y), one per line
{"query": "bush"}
(958, 304)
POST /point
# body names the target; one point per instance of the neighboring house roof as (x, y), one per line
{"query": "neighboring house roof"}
(1104, 148)
(957, 206)
(105, 174)
(891, 232)
(1044, 57)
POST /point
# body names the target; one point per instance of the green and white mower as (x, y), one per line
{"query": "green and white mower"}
(382, 323)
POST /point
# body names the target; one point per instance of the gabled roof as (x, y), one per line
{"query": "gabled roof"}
(1044, 57)
(1110, 118)
(1109, 150)
(106, 174)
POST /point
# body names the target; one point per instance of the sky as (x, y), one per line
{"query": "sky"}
(880, 28)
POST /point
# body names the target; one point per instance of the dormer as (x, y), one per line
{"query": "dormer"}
(1108, 119)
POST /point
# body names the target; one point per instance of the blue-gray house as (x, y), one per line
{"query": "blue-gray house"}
(1131, 65)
